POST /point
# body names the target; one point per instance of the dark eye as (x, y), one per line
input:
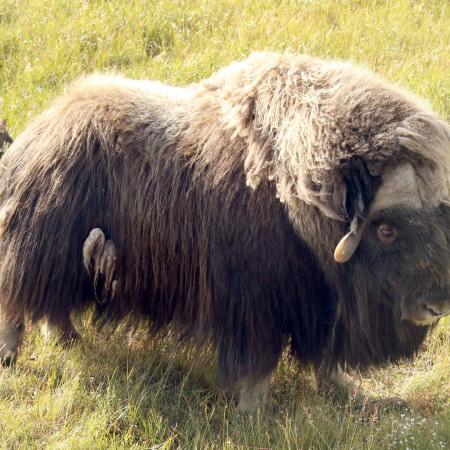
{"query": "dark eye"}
(386, 233)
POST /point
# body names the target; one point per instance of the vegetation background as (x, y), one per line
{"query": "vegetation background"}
(114, 391)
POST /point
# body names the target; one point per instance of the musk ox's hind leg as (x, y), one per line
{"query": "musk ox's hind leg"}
(62, 330)
(11, 336)
(99, 258)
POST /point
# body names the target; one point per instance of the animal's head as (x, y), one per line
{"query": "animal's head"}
(335, 137)
(400, 223)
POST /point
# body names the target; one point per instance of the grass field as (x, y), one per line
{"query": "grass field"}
(117, 392)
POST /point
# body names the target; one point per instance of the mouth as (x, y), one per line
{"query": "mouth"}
(427, 314)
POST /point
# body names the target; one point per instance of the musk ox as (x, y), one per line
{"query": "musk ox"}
(286, 200)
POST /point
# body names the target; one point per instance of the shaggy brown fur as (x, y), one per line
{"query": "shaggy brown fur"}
(223, 203)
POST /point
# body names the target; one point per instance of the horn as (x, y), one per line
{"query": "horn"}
(349, 243)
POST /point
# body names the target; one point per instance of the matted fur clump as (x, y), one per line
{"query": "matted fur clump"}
(286, 200)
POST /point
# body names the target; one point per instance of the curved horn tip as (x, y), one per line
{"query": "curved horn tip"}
(346, 247)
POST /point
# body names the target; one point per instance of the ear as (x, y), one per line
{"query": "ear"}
(361, 186)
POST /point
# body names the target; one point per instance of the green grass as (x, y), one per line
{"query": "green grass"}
(110, 393)
(113, 392)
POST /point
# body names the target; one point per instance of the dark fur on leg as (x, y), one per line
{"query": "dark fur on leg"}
(11, 337)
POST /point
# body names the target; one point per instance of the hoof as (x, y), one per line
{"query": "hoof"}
(333, 381)
(72, 339)
(8, 360)
(10, 340)
(253, 395)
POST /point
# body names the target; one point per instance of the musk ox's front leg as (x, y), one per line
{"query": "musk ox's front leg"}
(11, 336)
(247, 367)
(328, 378)
(253, 394)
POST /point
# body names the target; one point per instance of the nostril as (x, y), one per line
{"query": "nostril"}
(431, 311)
(439, 309)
